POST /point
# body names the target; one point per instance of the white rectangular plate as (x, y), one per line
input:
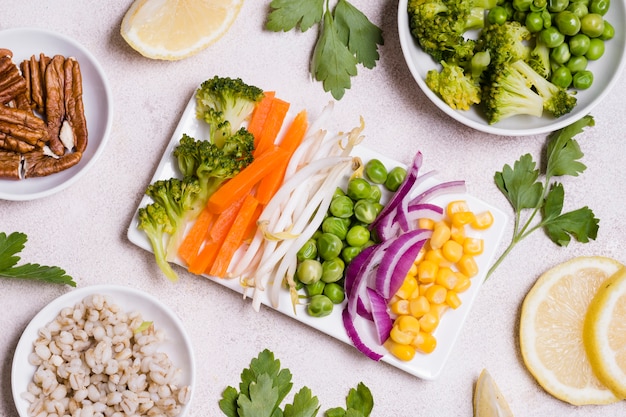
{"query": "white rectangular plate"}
(423, 366)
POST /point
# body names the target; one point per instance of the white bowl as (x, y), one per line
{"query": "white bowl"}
(24, 42)
(176, 344)
(606, 71)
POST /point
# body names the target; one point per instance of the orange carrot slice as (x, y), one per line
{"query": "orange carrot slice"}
(192, 242)
(271, 127)
(290, 141)
(259, 115)
(234, 238)
(241, 184)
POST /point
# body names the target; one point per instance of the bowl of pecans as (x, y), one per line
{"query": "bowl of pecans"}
(103, 350)
(55, 112)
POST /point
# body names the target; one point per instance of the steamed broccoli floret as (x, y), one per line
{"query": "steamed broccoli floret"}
(212, 165)
(507, 93)
(556, 99)
(225, 103)
(505, 43)
(179, 199)
(454, 87)
(155, 222)
(539, 59)
(439, 26)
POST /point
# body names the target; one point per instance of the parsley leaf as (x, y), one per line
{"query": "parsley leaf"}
(13, 244)
(346, 38)
(304, 404)
(525, 191)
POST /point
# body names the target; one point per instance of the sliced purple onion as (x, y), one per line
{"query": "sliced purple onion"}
(382, 319)
(353, 334)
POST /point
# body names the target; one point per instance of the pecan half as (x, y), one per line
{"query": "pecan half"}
(74, 108)
(23, 125)
(55, 106)
(10, 163)
(37, 164)
(11, 81)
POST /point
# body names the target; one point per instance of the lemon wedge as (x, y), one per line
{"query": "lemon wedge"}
(551, 329)
(176, 29)
(604, 333)
(488, 400)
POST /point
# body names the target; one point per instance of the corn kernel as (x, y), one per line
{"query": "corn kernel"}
(402, 352)
(400, 337)
(429, 322)
(463, 282)
(436, 256)
(420, 255)
(400, 307)
(425, 223)
(467, 265)
(438, 310)
(483, 220)
(408, 324)
(473, 246)
(447, 278)
(425, 342)
(457, 233)
(441, 234)
(408, 286)
(453, 299)
(456, 206)
(463, 218)
(427, 271)
(436, 294)
(419, 306)
(452, 251)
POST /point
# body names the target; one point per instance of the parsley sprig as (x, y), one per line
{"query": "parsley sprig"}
(264, 386)
(529, 196)
(13, 244)
(347, 38)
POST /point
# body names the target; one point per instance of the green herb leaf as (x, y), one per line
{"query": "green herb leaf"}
(563, 151)
(228, 403)
(361, 399)
(581, 223)
(333, 63)
(261, 399)
(519, 184)
(335, 412)
(13, 244)
(304, 404)
(356, 31)
(288, 14)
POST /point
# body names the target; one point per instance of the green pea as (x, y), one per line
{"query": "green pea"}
(579, 44)
(551, 37)
(522, 5)
(375, 194)
(320, 306)
(608, 32)
(599, 6)
(332, 270)
(329, 246)
(556, 6)
(497, 15)
(547, 18)
(561, 53)
(582, 79)
(338, 192)
(335, 292)
(366, 211)
(348, 253)
(577, 64)
(538, 5)
(336, 226)
(376, 171)
(592, 25)
(534, 22)
(562, 77)
(358, 235)
(596, 49)
(395, 178)
(309, 271)
(567, 23)
(341, 206)
(358, 188)
(315, 288)
(307, 251)
(578, 8)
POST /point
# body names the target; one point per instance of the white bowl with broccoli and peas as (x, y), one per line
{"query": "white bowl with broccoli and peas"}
(514, 67)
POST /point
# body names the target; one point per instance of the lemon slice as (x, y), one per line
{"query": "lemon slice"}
(488, 400)
(551, 329)
(605, 333)
(176, 29)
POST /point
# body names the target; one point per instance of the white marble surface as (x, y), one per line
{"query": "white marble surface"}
(83, 229)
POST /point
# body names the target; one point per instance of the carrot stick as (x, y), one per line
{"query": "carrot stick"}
(241, 184)
(271, 127)
(234, 238)
(259, 115)
(290, 142)
(190, 245)
(223, 222)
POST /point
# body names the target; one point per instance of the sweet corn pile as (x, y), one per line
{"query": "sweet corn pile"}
(443, 269)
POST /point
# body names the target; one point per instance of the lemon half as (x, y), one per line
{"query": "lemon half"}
(488, 400)
(551, 329)
(176, 29)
